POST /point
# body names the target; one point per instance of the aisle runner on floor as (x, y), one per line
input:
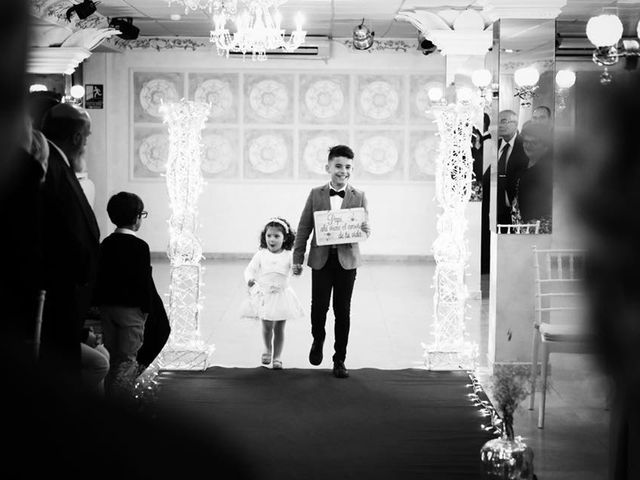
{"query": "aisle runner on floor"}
(307, 425)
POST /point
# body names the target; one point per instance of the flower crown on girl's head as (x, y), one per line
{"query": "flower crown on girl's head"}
(280, 222)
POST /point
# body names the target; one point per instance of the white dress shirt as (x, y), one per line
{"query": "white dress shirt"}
(336, 201)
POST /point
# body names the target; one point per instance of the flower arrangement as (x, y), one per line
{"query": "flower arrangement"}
(510, 387)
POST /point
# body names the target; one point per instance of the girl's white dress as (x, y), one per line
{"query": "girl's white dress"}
(271, 297)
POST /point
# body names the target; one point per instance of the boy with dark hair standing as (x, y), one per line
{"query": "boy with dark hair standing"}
(333, 266)
(123, 291)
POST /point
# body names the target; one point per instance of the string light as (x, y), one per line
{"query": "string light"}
(185, 349)
(451, 348)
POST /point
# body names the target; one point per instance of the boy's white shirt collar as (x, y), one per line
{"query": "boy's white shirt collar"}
(337, 189)
(125, 230)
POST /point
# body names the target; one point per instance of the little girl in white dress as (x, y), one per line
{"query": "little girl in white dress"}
(271, 298)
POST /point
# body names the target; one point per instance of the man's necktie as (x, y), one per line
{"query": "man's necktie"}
(332, 192)
(502, 161)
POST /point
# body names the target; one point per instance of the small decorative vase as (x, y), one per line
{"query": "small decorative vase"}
(507, 458)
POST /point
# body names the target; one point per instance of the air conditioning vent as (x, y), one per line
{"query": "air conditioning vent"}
(316, 50)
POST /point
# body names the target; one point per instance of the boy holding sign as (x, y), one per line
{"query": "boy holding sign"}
(336, 213)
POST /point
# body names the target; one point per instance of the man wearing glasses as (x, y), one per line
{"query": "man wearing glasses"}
(511, 161)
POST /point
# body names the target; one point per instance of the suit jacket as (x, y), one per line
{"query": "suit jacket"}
(348, 253)
(71, 236)
(517, 162)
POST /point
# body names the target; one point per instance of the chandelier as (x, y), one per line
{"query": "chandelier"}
(257, 28)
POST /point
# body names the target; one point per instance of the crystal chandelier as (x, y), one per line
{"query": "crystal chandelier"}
(257, 28)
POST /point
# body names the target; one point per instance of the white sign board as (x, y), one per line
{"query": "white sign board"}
(339, 226)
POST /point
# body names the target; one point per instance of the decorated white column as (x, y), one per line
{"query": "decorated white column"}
(464, 39)
(185, 349)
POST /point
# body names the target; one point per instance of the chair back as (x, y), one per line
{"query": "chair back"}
(559, 282)
(519, 228)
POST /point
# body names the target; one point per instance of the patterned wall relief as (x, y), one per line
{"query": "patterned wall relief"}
(379, 100)
(324, 99)
(424, 146)
(150, 89)
(268, 99)
(150, 151)
(221, 91)
(314, 148)
(419, 86)
(220, 153)
(268, 154)
(280, 126)
(379, 155)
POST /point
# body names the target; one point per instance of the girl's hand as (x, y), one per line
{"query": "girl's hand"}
(297, 269)
(251, 283)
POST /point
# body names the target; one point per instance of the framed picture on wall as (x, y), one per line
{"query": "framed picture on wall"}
(150, 90)
(314, 148)
(379, 154)
(419, 104)
(424, 148)
(218, 90)
(324, 99)
(220, 153)
(268, 99)
(268, 154)
(379, 100)
(150, 151)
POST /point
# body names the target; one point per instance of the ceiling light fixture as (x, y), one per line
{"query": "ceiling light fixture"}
(83, 10)
(257, 28)
(565, 79)
(363, 37)
(128, 31)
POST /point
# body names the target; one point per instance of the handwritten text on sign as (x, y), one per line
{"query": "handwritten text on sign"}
(339, 226)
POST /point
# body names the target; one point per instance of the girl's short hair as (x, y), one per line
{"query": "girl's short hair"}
(123, 208)
(281, 224)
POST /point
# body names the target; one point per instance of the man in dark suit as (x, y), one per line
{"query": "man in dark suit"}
(71, 242)
(334, 266)
(511, 161)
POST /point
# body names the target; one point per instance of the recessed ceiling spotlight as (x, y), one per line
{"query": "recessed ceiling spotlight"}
(175, 17)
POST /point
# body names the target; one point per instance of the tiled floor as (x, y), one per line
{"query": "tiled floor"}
(392, 311)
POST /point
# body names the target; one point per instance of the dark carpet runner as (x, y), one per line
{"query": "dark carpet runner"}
(307, 425)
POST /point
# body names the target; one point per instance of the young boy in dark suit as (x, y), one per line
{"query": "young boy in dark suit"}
(123, 291)
(333, 266)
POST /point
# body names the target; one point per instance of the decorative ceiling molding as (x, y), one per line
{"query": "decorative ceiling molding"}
(454, 32)
(59, 45)
(164, 43)
(55, 60)
(538, 9)
(383, 45)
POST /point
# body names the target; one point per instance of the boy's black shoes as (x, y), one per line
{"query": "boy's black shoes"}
(339, 370)
(315, 355)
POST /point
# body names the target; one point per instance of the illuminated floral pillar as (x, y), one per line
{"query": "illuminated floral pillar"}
(451, 348)
(185, 349)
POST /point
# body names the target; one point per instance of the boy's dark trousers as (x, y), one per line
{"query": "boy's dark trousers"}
(332, 277)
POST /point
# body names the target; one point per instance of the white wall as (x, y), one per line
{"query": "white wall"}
(232, 211)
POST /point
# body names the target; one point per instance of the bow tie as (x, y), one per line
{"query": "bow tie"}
(332, 192)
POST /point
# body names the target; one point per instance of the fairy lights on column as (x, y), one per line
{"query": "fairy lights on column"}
(185, 348)
(451, 348)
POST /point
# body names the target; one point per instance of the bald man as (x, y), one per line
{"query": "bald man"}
(71, 242)
(511, 162)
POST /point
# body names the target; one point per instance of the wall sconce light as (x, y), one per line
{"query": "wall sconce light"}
(482, 79)
(565, 79)
(526, 80)
(362, 37)
(604, 32)
(37, 87)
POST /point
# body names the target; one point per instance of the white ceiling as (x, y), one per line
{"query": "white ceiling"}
(337, 18)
